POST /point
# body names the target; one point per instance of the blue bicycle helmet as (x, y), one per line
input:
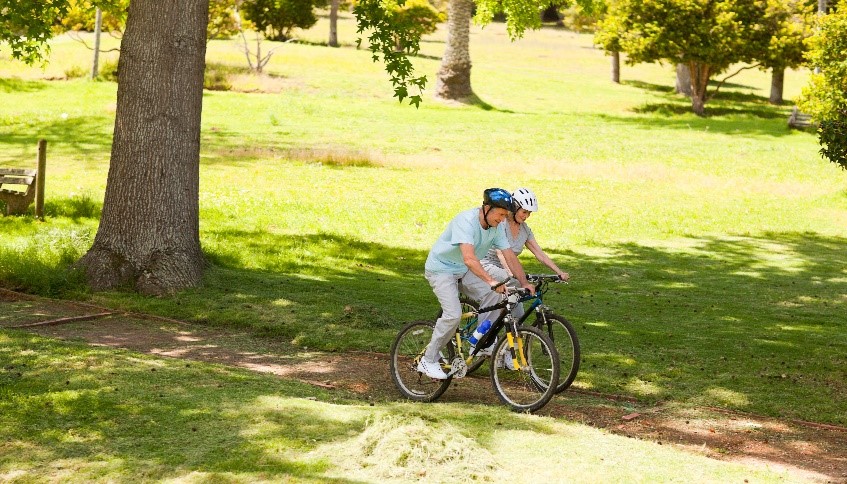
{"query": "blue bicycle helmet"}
(497, 197)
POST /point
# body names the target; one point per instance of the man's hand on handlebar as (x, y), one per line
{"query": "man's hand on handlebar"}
(529, 287)
(499, 286)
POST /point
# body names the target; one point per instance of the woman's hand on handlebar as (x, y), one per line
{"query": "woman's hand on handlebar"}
(564, 276)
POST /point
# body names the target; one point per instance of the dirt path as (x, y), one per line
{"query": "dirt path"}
(807, 450)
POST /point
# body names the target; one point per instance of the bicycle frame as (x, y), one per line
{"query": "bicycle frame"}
(507, 305)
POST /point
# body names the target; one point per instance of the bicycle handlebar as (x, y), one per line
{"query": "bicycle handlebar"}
(545, 277)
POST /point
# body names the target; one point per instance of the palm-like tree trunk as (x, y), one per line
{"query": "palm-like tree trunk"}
(149, 235)
(454, 77)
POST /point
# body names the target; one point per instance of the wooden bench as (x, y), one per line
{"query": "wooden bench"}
(799, 120)
(17, 189)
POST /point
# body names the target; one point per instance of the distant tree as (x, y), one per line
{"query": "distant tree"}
(453, 80)
(825, 97)
(781, 40)
(608, 37)
(223, 21)
(415, 17)
(277, 18)
(708, 36)
(80, 16)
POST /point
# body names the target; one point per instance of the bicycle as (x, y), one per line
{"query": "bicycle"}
(560, 330)
(524, 374)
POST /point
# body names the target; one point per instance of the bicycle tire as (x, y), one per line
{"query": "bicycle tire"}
(564, 337)
(468, 305)
(406, 350)
(530, 388)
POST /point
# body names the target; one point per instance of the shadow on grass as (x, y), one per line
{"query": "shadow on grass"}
(156, 418)
(750, 323)
(726, 322)
(677, 116)
(649, 86)
(20, 85)
(728, 112)
(84, 135)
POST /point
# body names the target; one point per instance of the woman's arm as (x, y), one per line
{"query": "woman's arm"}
(542, 257)
(503, 262)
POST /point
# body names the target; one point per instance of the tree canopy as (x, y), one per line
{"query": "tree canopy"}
(707, 35)
(825, 97)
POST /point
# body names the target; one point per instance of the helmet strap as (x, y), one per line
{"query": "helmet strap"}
(485, 217)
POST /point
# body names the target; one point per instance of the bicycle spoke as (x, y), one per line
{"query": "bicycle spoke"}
(530, 387)
(406, 352)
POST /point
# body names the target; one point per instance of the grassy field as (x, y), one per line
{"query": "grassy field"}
(706, 253)
(74, 413)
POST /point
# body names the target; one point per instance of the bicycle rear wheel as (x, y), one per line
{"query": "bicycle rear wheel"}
(470, 322)
(406, 351)
(563, 334)
(530, 387)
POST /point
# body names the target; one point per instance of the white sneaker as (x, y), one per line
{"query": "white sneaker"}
(431, 369)
(485, 351)
(504, 360)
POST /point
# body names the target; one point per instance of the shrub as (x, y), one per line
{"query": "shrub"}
(277, 18)
(109, 71)
(417, 17)
(75, 72)
(825, 98)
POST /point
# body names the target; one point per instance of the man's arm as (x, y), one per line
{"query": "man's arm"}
(517, 269)
(474, 265)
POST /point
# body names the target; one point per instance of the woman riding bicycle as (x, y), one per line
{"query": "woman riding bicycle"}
(519, 235)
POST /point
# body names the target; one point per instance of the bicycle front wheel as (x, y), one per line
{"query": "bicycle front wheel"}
(530, 385)
(406, 351)
(563, 334)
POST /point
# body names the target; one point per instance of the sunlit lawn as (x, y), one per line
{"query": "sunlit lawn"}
(73, 413)
(706, 253)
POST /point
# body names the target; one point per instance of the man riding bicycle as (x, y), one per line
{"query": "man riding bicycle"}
(453, 265)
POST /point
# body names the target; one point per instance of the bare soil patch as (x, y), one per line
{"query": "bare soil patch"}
(806, 450)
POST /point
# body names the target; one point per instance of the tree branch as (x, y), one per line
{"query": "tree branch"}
(75, 36)
(731, 75)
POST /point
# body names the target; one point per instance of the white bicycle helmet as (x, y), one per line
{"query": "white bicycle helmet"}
(525, 199)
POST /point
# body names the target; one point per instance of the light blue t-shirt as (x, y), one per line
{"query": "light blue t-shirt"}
(446, 256)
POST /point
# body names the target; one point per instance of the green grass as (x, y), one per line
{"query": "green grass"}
(74, 413)
(706, 253)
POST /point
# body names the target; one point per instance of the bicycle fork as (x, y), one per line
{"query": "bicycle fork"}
(518, 357)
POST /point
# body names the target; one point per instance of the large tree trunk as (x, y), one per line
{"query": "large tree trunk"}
(454, 76)
(333, 23)
(149, 231)
(777, 83)
(699, 83)
(616, 67)
(683, 79)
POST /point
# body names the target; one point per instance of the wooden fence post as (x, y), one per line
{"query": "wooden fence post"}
(39, 181)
